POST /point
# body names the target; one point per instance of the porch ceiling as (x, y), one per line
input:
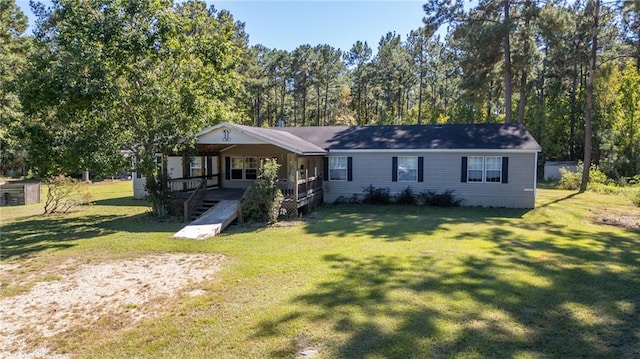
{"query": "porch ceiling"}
(210, 149)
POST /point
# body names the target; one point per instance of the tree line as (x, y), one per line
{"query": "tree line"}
(100, 76)
(567, 71)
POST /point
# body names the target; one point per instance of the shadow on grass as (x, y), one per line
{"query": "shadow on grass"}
(567, 197)
(122, 201)
(540, 297)
(399, 223)
(31, 235)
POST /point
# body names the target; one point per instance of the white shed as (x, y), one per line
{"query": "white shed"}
(552, 169)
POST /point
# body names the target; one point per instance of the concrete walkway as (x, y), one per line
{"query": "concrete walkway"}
(211, 222)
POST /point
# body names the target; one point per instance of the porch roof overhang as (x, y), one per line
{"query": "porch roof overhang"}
(224, 135)
(210, 149)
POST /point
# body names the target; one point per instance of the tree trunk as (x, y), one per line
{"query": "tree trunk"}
(326, 103)
(420, 97)
(588, 109)
(522, 104)
(572, 111)
(258, 120)
(304, 108)
(366, 106)
(318, 105)
(507, 66)
(523, 96)
(283, 92)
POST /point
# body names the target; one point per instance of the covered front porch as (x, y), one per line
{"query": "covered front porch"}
(228, 156)
(303, 189)
(213, 176)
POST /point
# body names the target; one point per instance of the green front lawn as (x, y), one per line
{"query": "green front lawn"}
(367, 282)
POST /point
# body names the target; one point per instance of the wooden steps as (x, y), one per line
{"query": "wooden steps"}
(204, 206)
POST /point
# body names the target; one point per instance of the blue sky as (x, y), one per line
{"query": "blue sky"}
(287, 24)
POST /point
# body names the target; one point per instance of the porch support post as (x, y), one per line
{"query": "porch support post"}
(295, 185)
(306, 182)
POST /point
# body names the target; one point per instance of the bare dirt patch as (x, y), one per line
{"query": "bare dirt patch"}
(309, 218)
(627, 220)
(81, 295)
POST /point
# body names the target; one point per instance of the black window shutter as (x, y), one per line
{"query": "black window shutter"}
(420, 169)
(186, 166)
(394, 169)
(325, 169)
(209, 166)
(227, 168)
(463, 173)
(505, 169)
(349, 169)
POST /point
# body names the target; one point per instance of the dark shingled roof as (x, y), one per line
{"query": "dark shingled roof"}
(416, 137)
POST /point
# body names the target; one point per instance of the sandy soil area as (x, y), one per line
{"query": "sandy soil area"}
(75, 296)
(630, 221)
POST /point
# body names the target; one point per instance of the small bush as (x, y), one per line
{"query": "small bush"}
(636, 199)
(571, 180)
(64, 193)
(406, 197)
(373, 195)
(353, 199)
(264, 198)
(444, 199)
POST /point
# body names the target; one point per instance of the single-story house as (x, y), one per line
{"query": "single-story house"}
(485, 164)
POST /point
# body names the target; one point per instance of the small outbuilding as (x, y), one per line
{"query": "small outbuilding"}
(15, 193)
(552, 169)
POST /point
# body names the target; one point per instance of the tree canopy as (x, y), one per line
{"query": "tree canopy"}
(144, 76)
(102, 76)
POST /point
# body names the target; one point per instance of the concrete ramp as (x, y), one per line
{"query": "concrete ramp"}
(211, 222)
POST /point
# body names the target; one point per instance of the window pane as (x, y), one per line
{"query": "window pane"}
(475, 165)
(250, 162)
(338, 168)
(407, 169)
(250, 174)
(196, 167)
(493, 169)
(236, 168)
(251, 168)
(236, 162)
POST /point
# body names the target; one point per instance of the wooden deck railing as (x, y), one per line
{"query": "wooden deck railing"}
(302, 188)
(309, 186)
(194, 200)
(188, 184)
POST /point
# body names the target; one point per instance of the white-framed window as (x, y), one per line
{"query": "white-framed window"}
(237, 168)
(493, 169)
(338, 168)
(407, 169)
(251, 168)
(195, 167)
(475, 169)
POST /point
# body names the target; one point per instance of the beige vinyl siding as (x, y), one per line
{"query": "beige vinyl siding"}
(174, 168)
(441, 172)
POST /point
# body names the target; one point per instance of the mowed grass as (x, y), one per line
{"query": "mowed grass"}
(366, 281)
